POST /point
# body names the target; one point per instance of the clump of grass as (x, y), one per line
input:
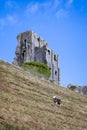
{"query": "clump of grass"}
(38, 67)
(8, 126)
(73, 87)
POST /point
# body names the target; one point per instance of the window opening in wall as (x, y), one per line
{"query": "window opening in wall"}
(23, 56)
(49, 52)
(38, 39)
(55, 58)
(25, 41)
(23, 46)
(55, 72)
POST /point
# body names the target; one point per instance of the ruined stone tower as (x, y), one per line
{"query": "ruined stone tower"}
(32, 47)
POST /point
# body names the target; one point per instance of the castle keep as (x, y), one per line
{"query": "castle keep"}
(32, 47)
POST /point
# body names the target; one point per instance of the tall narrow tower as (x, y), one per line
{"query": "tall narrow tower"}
(32, 47)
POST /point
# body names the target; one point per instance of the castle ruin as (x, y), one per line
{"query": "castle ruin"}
(32, 48)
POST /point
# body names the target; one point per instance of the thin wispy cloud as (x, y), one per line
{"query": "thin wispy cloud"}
(32, 8)
(11, 19)
(57, 8)
(62, 13)
(60, 8)
(63, 9)
(11, 4)
(36, 7)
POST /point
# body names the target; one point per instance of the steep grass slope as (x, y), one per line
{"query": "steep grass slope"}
(26, 103)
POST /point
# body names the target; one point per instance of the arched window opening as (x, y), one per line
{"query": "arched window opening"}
(55, 57)
(38, 39)
(49, 52)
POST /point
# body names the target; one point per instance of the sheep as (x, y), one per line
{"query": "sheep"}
(56, 100)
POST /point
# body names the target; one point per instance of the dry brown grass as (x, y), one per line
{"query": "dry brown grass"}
(26, 103)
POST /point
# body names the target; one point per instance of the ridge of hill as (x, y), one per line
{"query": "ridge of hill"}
(26, 103)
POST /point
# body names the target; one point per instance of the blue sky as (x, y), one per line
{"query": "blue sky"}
(62, 23)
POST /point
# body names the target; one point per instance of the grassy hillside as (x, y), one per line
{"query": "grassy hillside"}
(26, 103)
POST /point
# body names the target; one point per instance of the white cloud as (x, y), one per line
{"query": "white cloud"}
(32, 8)
(37, 7)
(8, 20)
(63, 9)
(62, 13)
(11, 19)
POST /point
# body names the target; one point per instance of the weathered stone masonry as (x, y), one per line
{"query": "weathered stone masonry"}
(32, 47)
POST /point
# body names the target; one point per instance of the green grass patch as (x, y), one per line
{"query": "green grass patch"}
(38, 67)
